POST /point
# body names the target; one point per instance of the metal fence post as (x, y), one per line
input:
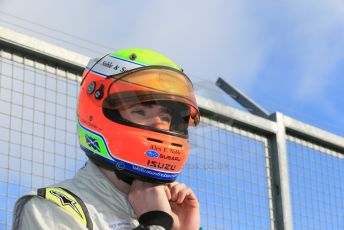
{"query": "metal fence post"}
(280, 176)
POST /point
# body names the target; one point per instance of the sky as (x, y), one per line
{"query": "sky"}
(285, 55)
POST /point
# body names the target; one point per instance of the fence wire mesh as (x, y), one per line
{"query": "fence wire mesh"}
(38, 143)
(229, 170)
(317, 185)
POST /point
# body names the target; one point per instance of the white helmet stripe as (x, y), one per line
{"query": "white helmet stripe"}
(110, 65)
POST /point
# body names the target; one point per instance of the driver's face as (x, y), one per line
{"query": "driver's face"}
(155, 116)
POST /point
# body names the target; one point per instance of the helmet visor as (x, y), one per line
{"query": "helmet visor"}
(153, 83)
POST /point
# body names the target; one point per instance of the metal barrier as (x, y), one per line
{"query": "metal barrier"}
(248, 172)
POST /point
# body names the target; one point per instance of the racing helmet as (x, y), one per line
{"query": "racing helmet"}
(122, 80)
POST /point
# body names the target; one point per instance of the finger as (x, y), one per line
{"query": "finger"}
(170, 185)
(175, 189)
(191, 199)
(191, 195)
(182, 194)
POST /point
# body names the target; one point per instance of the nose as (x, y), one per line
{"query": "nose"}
(157, 123)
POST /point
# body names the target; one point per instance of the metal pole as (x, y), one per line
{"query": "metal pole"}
(280, 175)
(242, 99)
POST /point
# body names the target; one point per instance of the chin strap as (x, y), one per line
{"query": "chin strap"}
(123, 177)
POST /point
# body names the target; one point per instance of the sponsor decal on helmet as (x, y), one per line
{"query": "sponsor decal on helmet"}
(152, 154)
(166, 150)
(160, 165)
(93, 143)
(167, 157)
(111, 65)
(154, 173)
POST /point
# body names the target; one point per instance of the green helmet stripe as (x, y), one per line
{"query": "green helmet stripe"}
(93, 142)
(145, 57)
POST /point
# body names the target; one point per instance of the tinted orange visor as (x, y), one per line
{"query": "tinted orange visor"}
(153, 83)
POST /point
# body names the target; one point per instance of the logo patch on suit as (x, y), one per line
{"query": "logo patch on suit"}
(69, 202)
(123, 224)
(66, 201)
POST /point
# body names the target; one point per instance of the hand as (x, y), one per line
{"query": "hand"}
(185, 207)
(175, 199)
(145, 197)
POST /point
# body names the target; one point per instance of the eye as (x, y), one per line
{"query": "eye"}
(140, 112)
(166, 117)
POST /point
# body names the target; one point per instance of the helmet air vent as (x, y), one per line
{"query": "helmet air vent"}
(154, 140)
(177, 145)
